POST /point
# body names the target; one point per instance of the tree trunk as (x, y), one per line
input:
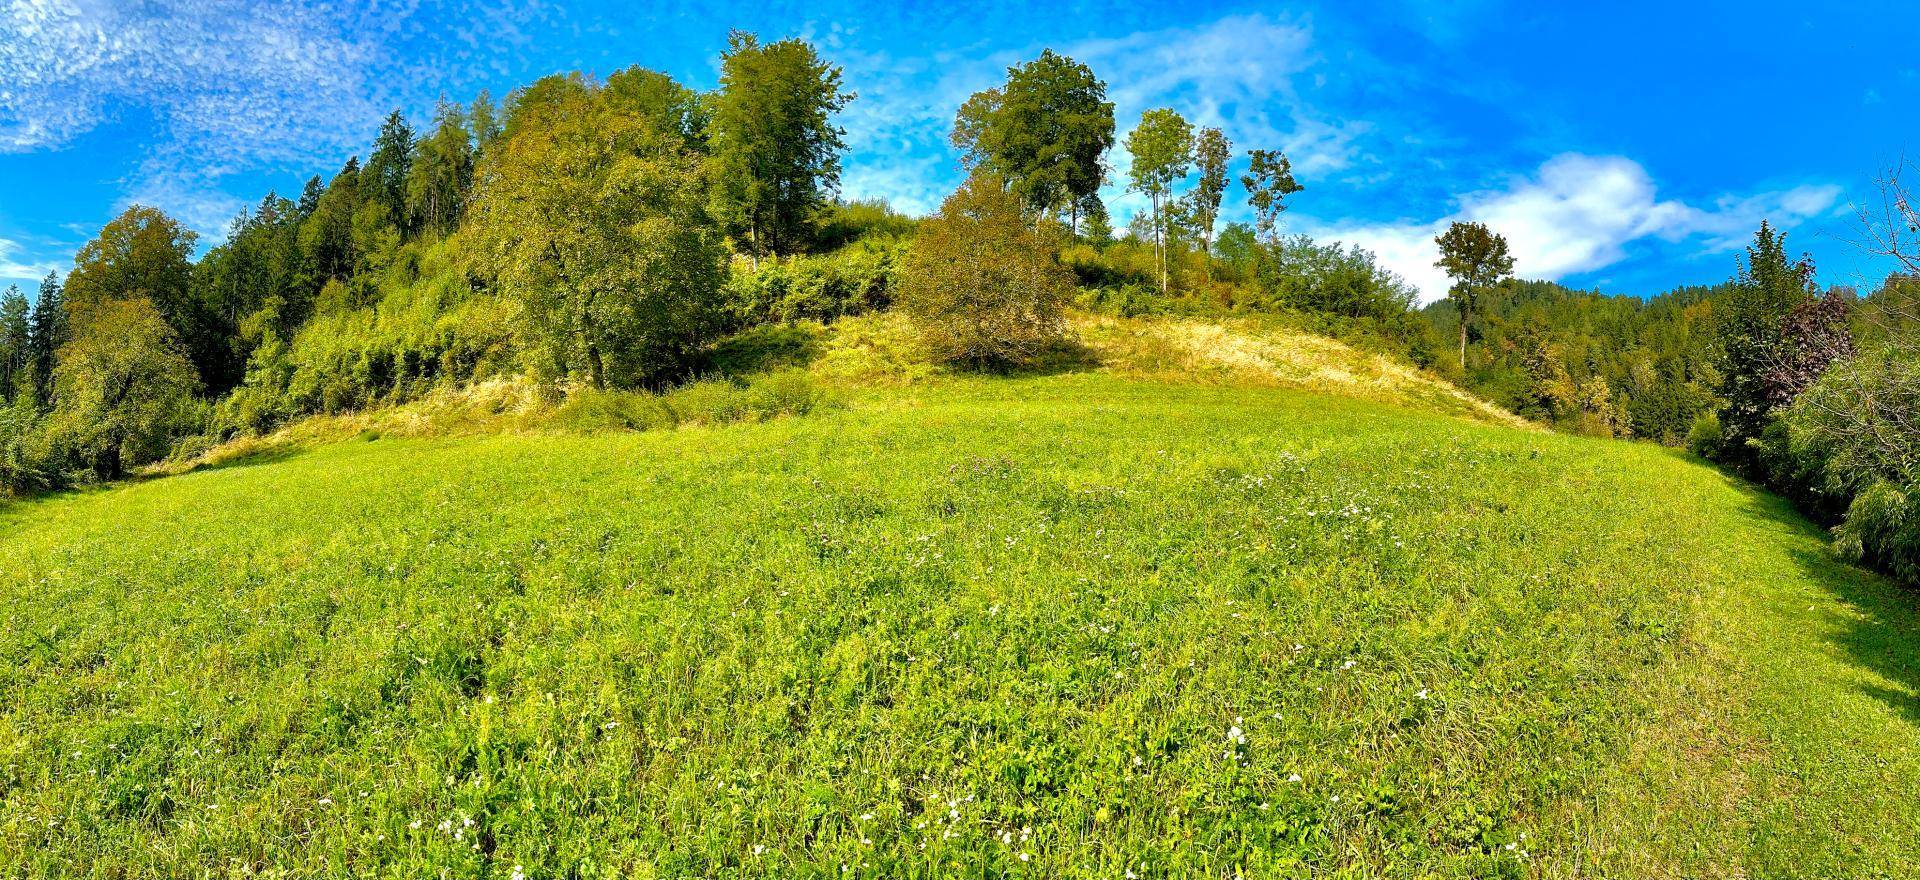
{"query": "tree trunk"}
(1160, 243)
(596, 368)
(1463, 338)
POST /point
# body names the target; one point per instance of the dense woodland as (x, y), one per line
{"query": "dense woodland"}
(608, 234)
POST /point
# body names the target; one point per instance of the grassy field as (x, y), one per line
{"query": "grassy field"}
(1079, 625)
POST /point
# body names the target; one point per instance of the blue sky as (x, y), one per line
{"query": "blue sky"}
(1627, 146)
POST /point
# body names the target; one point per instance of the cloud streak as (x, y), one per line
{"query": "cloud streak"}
(225, 86)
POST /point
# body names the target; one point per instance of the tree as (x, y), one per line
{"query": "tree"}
(1771, 307)
(14, 351)
(485, 122)
(776, 151)
(123, 387)
(389, 165)
(1211, 151)
(982, 284)
(1162, 149)
(592, 216)
(326, 235)
(1476, 258)
(46, 333)
(1046, 133)
(143, 253)
(1268, 181)
(310, 197)
(441, 173)
(1093, 223)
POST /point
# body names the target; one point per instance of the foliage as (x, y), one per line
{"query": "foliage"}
(1211, 151)
(591, 214)
(1162, 149)
(982, 285)
(123, 390)
(1476, 258)
(843, 223)
(1538, 340)
(16, 345)
(776, 151)
(856, 279)
(1268, 181)
(145, 254)
(428, 327)
(1046, 133)
(1753, 343)
(1295, 273)
(441, 172)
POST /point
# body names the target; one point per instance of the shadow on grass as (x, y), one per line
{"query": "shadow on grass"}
(15, 505)
(266, 455)
(1883, 633)
(763, 349)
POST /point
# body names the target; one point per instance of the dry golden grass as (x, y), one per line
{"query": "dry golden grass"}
(1242, 351)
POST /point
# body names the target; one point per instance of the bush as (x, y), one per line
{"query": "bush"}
(1298, 274)
(981, 284)
(1882, 529)
(705, 402)
(1705, 437)
(21, 470)
(843, 224)
(854, 280)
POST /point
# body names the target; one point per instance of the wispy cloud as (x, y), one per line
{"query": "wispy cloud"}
(1576, 214)
(227, 85)
(1237, 73)
(16, 269)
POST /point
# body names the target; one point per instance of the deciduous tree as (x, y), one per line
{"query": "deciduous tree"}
(122, 387)
(1476, 258)
(1268, 182)
(776, 150)
(1162, 150)
(1046, 133)
(1211, 151)
(593, 217)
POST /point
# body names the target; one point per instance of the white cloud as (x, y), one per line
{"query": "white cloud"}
(15, 269)
(1236, 73)
(1577, 214)
(229, 85)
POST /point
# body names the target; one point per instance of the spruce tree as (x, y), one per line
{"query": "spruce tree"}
(46, 332)
(384, 179)
(14, 333)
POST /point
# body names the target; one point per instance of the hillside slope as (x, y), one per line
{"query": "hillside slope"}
(1076, 625)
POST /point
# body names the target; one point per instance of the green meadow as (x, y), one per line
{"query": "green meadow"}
(1075, 625)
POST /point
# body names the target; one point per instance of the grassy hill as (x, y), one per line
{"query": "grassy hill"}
(1098, 623)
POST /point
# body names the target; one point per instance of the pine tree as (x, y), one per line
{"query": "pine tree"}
(47, 331)
(14, 333)
(310, 196)
(385, 178)
(442, 172)
(485, 122)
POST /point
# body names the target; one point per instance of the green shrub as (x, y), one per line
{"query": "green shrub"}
(1882, 529)
(705, 402)
(982, 286)
(853, 280)
(1704, 437)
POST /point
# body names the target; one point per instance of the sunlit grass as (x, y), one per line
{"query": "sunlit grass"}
(1078, 625)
